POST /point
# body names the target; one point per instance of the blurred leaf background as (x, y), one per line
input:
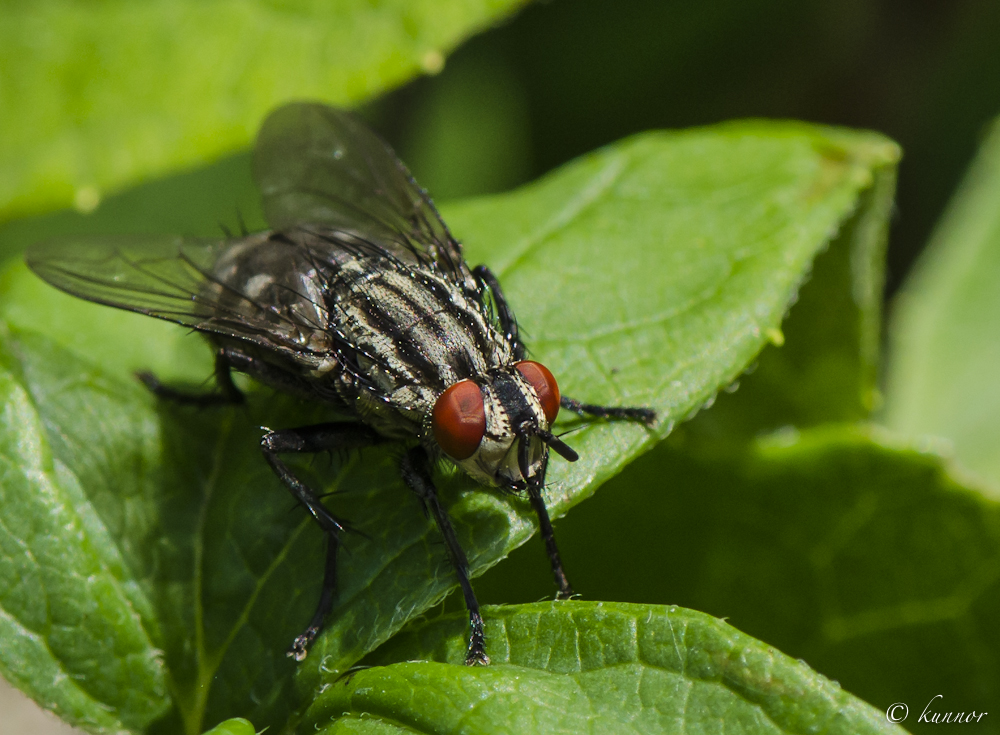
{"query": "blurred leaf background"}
(561, 78)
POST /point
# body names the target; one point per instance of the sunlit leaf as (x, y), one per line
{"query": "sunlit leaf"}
(571, 667)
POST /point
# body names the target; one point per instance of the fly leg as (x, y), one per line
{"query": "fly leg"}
(228, 359)
(416, 473)
(619, 413)
(312, 439)
(226, 394)
(484, 277)
(548, 535)
(645, 415)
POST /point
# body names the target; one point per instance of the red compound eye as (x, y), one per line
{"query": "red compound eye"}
(459, 420)
(544, 384)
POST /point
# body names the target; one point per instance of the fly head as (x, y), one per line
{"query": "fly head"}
(498, 429)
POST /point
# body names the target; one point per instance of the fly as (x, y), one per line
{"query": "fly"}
(359, 298)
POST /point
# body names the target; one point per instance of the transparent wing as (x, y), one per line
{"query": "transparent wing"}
(317, 165)
(193, 282)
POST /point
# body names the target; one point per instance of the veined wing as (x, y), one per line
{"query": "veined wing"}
(213, 286)
(317, 165)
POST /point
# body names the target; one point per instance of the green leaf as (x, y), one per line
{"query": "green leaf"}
(571, 667)
(945, 338)
(97, 96)
(648, 273)
(204, 527)
(844, 546)
(235, 726)
(822, 365)
(71, 635)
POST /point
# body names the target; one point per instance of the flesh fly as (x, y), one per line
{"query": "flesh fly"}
(358, 297)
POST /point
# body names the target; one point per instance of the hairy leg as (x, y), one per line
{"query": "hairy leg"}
(226, 393)
(620, 413)
(416, 473)
(312, 439)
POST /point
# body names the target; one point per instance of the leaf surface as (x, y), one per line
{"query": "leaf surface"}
(570, 667)
(821, 365)
(71, 636)
(854, 549)
(945, 335)
(100, 95)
